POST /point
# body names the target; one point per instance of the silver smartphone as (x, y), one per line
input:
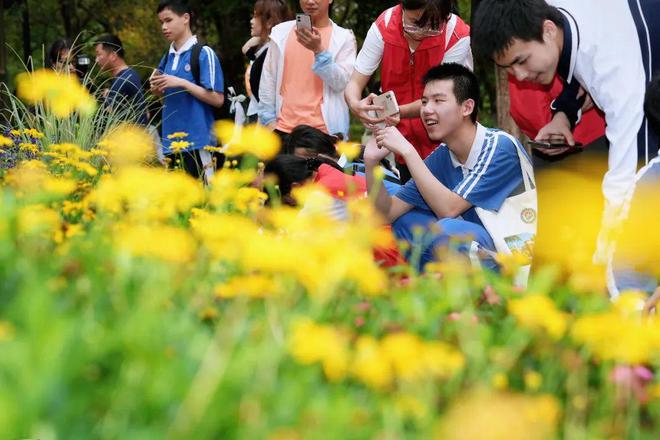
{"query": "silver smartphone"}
(389, 104)
(303, 21)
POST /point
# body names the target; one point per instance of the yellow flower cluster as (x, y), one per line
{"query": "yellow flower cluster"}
(538, 312)
(147, 194)
(349, 149)
(251, 286)
(166, 243)
(621, 334)
(61, 93)
(377, 364)
(31, 178)
(252, 139)
(71, 155)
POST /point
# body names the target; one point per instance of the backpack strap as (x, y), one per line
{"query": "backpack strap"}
(194, 62)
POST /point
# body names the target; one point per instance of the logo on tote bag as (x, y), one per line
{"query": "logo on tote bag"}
(528, 216)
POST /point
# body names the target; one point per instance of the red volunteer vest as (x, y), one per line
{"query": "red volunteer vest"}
(530, 109)
(402, 71)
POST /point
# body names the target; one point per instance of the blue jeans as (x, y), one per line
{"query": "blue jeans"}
(406, 226)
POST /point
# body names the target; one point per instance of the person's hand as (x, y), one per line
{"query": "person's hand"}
(310, 39)
(164, 82)
(363, 110)
(249, 44)
(392, 139)
(373, 154)
(588, 102)
(393, 121)
(652, 302)
(558, 130)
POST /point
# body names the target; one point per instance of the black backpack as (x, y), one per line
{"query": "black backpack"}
(219, 113)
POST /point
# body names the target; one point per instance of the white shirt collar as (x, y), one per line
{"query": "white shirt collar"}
(186, 46)
(475, 150)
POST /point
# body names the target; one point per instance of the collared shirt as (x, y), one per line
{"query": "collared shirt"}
(489, 176)
(182, 112)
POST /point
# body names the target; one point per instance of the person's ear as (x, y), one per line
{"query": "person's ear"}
(468, 107)
(549, 30)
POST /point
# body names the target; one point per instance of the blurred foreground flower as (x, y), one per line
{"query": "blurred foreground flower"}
(500, 416)
(251, 139)
(128, 145)
(537, 311)
(60, 93)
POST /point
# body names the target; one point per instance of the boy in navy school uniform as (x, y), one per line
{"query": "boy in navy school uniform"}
(188, 106)
(473, 168)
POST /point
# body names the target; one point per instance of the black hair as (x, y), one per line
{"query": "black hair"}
(56, 48)
(304, 136)
(497, 22)
(652, 104)
(179, 7)
(111, 43)
(290, 169)
(436, 12)
(466, 85)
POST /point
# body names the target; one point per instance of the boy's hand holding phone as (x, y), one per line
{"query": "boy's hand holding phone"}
(160, 81)
(309, 37)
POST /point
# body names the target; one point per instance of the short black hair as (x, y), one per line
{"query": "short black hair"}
(179, 7)
(466, 85)
(111, 43)
(291, 170)
(435, 12)
(304, 136)
(652, 104)
(497, 22)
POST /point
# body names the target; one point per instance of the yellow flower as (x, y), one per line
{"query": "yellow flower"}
(500, 381)
(61, 93)
(533, 380)
(33, 133)
(500, 416)
(621, 334)
(162, 242)
(371, 365)
(312, 343)
(33, 219)
(403, 350)
(251, 139)
(5, 141)
(442, 360)
(177, 135)
(252, 286)
(536, 311)
(179, 146)
(127, 145)
(249, 199)
(349, 149)
(28, 147)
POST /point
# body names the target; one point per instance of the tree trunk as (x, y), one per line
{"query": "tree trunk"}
(27, 36)
(504, 119)
(3, 56)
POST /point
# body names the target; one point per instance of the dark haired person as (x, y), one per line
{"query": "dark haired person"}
(59, 56)
(188, 106)
(305, 74)
(636, 260)
(477, 183)
(307, 141)
(267, 14)
(126, 88)
(604, 51)
(406, 41)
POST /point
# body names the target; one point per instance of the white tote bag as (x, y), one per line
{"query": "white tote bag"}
(513, 227)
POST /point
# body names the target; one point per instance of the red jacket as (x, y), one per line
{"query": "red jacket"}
(402, 71)
(530, 109)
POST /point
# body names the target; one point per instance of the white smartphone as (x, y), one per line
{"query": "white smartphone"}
(303, 21)
(390, 106)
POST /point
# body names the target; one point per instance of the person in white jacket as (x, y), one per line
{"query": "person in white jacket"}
(305, 74)
(603, 51)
